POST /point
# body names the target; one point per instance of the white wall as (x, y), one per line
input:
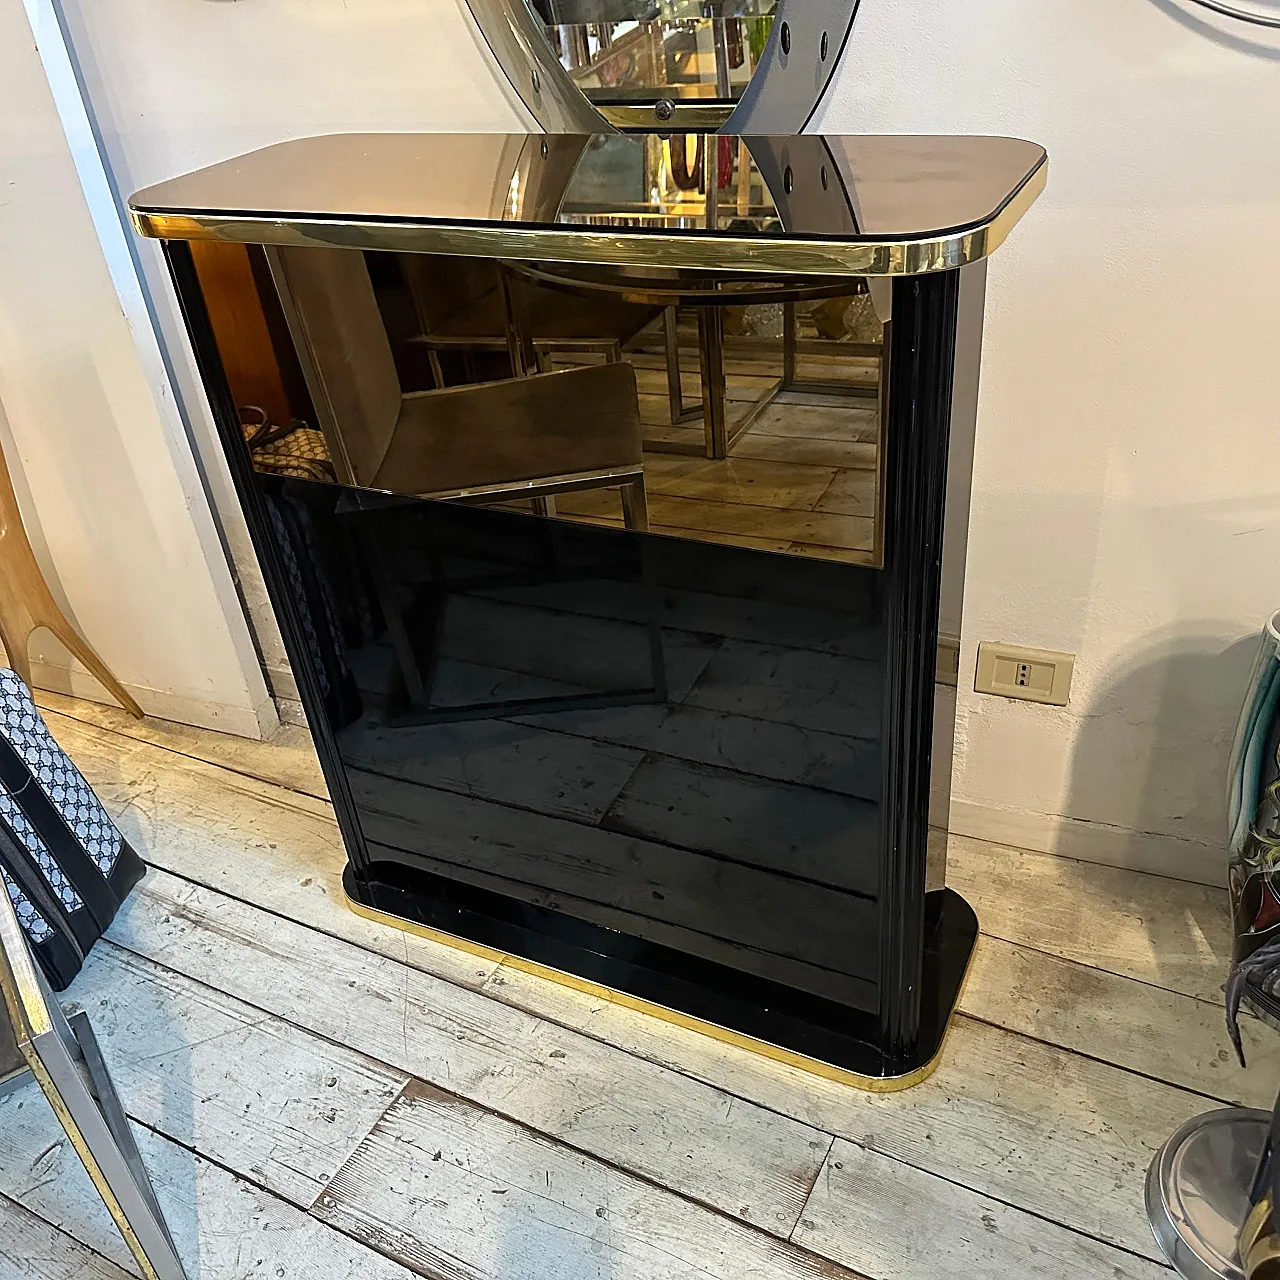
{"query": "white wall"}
(1122, 504)
(1126, 498)
(180, 84)
(103, 471)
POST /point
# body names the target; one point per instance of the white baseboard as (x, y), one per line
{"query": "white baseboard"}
(283, 685)
(1091, 842)
(259, 722)
(291, 712)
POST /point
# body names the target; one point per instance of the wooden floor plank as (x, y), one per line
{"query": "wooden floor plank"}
(1012, 1118)
(1160, 1033)
(458, 1193)
(696, 517)
(224, 1228)
(745, 744)
(251, 839)
(1170, 933)
(553, 773)
(288, 759)
(864, 555)
(1064, 1136)
(218, 1075)
(859, 454)
(575, 647)
(796, 830)
(787, 485)
(850, 493)
(747, 1161)
(857, 420)
(31, 1249)
(542, 859)
(792, 686)
(667, 511)
(688, 614)
(888, 1219)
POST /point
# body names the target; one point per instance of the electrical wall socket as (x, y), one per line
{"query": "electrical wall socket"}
(1034, 675)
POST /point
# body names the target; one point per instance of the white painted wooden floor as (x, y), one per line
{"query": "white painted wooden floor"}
(322, 1098)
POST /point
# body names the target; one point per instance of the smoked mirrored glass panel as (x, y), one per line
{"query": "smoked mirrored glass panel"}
(555, 664)
(738, 409)
(732, 411)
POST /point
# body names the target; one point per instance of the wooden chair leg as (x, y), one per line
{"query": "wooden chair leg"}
(78, 648)
(15, 633)
(26, 603)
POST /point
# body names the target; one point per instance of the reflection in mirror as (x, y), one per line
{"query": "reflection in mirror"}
(730, 408)
(642, 50)
(741, 411)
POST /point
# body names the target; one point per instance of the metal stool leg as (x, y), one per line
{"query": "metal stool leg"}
(64, 1058)
(671, 341)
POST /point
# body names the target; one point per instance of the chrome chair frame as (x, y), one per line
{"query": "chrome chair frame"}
(38, 1040)
(800, 58)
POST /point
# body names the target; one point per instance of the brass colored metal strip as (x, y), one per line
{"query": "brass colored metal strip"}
(618, 248)
(678, 115)
(788, 1057)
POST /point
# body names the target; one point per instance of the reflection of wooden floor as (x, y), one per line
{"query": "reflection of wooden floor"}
(801, 479)
(753, 784)
(319, 1096)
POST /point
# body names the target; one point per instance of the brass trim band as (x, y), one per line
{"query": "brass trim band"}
(869, 1084)
(678, 115)
(619, 246)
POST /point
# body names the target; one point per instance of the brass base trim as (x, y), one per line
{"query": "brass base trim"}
(788, 1057)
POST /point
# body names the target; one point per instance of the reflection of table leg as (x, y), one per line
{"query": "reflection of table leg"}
(711, 357)
(791, 380)
(675, 392)
(715, 413)
(788, 344)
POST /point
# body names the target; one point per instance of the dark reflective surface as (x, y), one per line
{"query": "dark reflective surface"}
(675, 742)
(597, 697)
(900, 187)
(739, 411)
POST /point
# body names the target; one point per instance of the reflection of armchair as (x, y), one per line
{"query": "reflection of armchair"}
(489, 442)
(470, 304)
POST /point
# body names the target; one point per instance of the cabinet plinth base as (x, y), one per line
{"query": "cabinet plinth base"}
(732, 1007)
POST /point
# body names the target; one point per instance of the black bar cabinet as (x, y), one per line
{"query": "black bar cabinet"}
(619, 550)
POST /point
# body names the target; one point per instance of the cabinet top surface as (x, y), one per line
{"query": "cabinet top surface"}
(813, 204)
